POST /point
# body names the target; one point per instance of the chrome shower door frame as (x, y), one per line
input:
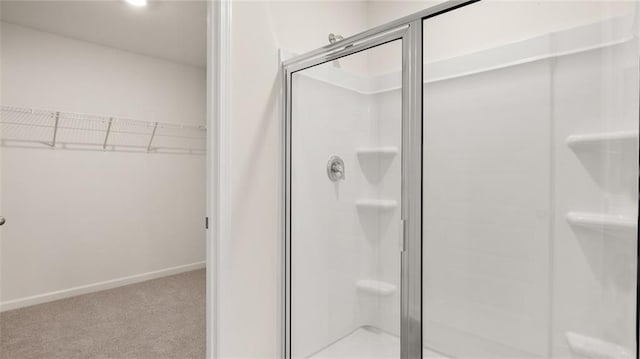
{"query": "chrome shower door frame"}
(411, 293)
(409, 29)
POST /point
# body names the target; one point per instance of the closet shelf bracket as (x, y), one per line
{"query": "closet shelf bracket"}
(55, 129)
(153, 133)
(106, 136)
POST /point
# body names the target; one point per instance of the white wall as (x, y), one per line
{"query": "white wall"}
(76, 217)
(250, 258)
(1, 201)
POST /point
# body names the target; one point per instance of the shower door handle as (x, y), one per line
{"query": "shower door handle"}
(401, 236)
(2, 220)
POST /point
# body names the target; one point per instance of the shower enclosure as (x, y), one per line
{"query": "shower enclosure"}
(461, 187)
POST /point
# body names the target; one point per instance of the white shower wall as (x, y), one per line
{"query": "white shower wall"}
(505, 274)
(487, 207)
(335, 244)
(79, 221)
(595, 269)
(328, 248)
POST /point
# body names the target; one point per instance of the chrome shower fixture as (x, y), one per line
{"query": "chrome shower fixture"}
(335, 169)
(333, 38)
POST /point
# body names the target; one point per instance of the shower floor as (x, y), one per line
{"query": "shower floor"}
(367, 343)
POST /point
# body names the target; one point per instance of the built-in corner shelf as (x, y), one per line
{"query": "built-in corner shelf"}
(388, 151)
(602, 222)
(376, 287)
(590, 347)
(376, 204)
(612, 142)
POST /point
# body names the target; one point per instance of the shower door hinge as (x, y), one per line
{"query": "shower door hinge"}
(206, 222)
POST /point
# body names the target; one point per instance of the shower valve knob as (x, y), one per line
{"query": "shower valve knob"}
(335, 169)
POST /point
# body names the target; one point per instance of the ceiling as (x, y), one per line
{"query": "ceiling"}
(171, 30)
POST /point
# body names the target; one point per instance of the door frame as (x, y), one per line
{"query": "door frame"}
(411, 198)
(409, 29)
(218, 182)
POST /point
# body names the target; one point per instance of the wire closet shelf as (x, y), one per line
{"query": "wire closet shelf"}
(25, 127)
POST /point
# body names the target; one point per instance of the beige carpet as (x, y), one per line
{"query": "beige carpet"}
(160, 318)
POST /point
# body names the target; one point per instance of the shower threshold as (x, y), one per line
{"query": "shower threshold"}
(368, 342)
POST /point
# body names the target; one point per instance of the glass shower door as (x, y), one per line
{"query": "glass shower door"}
(531, 180)
(345, 206)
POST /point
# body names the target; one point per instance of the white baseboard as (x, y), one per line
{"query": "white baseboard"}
(96, 287)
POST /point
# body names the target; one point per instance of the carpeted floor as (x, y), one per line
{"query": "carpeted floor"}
(161, 318)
